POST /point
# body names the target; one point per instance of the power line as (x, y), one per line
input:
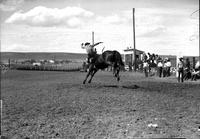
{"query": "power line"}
(191, 15)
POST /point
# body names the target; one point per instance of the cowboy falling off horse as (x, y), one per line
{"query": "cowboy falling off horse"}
(102, 61)
(91, 51)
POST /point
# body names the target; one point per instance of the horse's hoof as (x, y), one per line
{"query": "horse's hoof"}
(83, 82)
(89, 81)
(118, 79)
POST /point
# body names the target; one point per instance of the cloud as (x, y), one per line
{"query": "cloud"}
(113, 19)
(46, 17)
(16, 48)
(10, 5)
(7, 7)
(123, 17)
(157, 32)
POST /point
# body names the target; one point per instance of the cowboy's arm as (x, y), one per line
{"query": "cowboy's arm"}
(96, 44)
(82, 46)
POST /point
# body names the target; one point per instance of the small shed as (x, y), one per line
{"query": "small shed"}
(129, 55)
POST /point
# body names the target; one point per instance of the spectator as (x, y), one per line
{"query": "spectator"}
(195, 74)
(144, 57)
(187, 70)
(160, 67)
(187, 63)
(180, 69)
(130, 66)
(168, 64)
(197, 65)
(146, 68)
(165, 67)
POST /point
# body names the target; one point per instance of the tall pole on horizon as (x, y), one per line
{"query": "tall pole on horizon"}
(92, 37)
(134, 39)
(193, 13)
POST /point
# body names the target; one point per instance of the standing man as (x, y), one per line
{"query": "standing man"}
(165, 67)
(180, 69)
(169, 64)
(146, 67)
(187, 69)
(90, 49)
(160, 67)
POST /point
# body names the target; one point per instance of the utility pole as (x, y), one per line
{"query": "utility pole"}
(134, 39)
(193, 17)
(92, 37)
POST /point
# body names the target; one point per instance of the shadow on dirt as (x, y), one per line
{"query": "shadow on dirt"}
(111, 86)
(131, 87)
(123, 86)
(62, 86)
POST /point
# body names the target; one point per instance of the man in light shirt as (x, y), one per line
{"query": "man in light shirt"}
(90, 49)
(146, 67)
(160, 67)
(168, 64)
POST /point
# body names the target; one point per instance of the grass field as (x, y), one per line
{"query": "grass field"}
(42, 55)
(45, 104)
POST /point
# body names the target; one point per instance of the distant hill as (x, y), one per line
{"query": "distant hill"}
(19, 56)
(42, 55)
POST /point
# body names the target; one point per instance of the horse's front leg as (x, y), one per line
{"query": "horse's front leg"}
(89, 73)
(94, 71)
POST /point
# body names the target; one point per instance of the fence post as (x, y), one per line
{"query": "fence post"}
(9, 62)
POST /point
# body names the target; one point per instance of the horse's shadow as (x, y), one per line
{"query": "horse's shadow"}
(130, 86)
(122, 86)
(62, 86)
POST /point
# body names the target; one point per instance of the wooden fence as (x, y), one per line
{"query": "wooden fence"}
(49, 67)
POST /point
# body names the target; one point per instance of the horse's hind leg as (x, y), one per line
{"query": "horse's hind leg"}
(118, 78)
(117, 73)
(94, 71)
(115, 69)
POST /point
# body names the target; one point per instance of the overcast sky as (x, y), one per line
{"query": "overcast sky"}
(162, 26)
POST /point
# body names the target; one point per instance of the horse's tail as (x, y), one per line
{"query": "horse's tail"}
(118, 58)
(122, 63)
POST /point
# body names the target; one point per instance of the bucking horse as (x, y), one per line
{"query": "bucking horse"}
(102, 61)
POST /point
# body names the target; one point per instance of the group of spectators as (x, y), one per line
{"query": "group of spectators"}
(185, 71)
(162, 66)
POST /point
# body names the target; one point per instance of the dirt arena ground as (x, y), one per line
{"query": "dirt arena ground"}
(41, 104)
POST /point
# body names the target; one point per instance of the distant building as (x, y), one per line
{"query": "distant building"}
(129, 55)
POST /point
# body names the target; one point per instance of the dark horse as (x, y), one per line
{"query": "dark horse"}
(107, 58)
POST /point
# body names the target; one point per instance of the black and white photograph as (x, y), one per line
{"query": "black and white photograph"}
(99, 69)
